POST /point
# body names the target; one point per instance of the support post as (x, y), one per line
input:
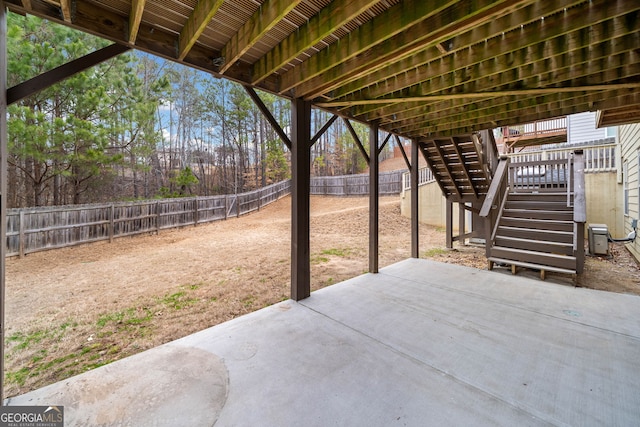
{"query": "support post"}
(3, 183)
(300, 191)
(449, 224)
(415, 243)
(461, 224)
(374, 201)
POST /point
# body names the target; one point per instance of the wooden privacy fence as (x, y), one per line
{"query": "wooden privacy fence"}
(36, 229)
(356, 185)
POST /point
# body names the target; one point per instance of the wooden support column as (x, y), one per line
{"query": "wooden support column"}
(300, 190)
(374, 202)
(415, 242)
(3, 183)
(449, 224)
(461, 223)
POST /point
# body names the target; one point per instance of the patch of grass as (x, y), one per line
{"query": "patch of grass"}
(248, 301)
(441, 229)
(178, 300)
(104, 319)
(337, 252)
(138, 316)
(26, 340)
(434, 252)
(68, 324)
(318, 259)
(18, 377)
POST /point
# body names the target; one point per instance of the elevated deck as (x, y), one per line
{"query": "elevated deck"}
(421, 343)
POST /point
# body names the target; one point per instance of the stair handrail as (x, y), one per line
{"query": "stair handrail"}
(579, 209)
(493, 204)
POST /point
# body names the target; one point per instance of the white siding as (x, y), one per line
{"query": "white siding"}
(629, 137)
(582, 128)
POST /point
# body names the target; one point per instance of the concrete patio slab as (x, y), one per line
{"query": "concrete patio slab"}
(420, 343)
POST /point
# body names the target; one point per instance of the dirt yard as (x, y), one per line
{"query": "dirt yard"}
(75, 309)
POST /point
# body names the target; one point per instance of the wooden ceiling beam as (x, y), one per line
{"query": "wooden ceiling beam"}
(437, 28)
(489, 70)
(109, 25)
(518, 111)
(268, 16)
(527, 105)
(196, 24)
(631, 99)
(337, 14)
(488, 30)
(135, 17)
(496, 55)
(577, 73)
(65, 8)
(622, 66)
(388, 24)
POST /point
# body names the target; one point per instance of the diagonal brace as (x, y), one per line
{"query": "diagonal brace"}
(267, 115)
(48, 79)
(354, 135)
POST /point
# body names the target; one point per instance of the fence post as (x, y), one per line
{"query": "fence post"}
(21, 234)
(226, 206)
(111, 223)
(237, 207)
(196, 216)
(158, 217)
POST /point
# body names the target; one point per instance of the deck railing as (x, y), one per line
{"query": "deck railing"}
(597, 158)
(539, 129)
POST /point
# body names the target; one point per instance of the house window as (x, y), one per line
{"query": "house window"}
(625, 186)
(610, 131)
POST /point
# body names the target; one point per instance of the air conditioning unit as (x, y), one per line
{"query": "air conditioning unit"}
(598, 239)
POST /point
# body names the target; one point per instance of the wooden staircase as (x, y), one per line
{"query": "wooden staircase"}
(461, 165)
(535, 215)
(536, 230)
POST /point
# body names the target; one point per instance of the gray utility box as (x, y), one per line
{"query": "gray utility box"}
(598, 239)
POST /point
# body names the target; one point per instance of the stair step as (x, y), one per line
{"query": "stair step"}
(532, 266)
(532, 234)
(532, 257)
(535, 245)
(538, 224)
(538, 205)
(561, 215)
(542, 197)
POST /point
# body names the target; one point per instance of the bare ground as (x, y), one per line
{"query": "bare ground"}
(74, 309)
